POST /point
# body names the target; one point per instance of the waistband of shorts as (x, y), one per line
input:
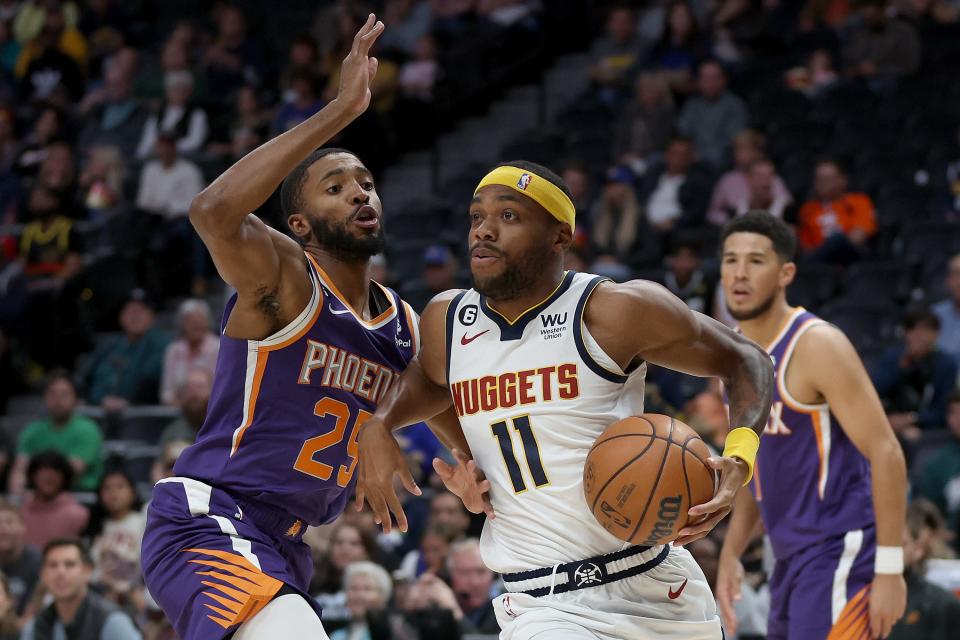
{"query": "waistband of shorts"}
(582, 574)
(265, 517)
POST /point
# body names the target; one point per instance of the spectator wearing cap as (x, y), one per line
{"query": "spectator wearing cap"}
(50, 511)
(915, 379)
(20, 562)
(473, 585)
(940, 481)
(439, 275)
(736, 189)
(75, 436)
(127, 370)
(616, 221)
(713, 117)
(66, 574)
(178, 115)
(881, 49)
(948, 311)
(835, 226)
(196, 348)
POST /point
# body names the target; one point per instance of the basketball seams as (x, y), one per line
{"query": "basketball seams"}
(613, 476)
(663, 463)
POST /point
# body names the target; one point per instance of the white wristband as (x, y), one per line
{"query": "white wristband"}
(889, 561)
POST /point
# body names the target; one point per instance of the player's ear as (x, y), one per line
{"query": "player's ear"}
(299, 226)
(788, 270)
(564, 237)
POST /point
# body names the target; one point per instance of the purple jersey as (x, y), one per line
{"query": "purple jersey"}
(285, 411)
(810, 482)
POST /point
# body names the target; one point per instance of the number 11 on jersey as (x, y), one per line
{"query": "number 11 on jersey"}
(531, 451)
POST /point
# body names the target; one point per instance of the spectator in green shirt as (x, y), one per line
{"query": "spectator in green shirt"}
(76, 437)
(940, 482)
(127, 371)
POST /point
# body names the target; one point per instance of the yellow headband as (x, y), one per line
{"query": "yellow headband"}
(542, 191)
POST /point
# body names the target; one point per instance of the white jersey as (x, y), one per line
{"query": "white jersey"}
(533, 396)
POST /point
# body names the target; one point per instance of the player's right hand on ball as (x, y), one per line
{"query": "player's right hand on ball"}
(466, 481)
(729, 585)
(359, 68)
(379, 459)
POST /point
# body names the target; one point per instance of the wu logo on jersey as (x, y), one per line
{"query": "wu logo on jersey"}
(554, 325)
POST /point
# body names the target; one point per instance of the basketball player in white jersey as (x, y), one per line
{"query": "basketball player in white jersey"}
(537, 363)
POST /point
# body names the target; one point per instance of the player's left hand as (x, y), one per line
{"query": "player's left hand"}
(466, 481)
(732, 474)
(888, 601)
(379, 459)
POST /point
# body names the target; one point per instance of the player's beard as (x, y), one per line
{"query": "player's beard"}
(755, 312)
(517, 278)
(344, 246)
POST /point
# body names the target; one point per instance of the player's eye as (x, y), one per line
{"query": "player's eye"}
(334, 189)
(509, 215)
(367, 185)
(474, 216)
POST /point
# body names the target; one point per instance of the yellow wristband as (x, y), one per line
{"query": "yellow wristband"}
(743, 443)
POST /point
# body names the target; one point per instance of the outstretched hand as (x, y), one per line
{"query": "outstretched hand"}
(359, 68)
(379, 460)
(467, 482)
(704, 517)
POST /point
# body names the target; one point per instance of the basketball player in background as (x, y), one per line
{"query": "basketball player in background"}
(537, 363)
(839, 560)
(309, 346)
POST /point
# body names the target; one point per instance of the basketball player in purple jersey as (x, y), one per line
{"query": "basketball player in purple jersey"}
(309, 347)
(837, 543)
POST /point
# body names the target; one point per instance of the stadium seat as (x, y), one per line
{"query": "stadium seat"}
(146, 423)
(869, 326)
(927, 241)
(881, 281)
(812, 286)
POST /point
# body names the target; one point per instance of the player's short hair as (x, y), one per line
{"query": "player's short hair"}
(51, 459)
(541, 171)
(920, 316)
(764, 224)
(77, 543)
(292, 187)
(371, 570)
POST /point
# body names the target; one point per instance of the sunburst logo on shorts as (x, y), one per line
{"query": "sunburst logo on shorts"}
(524, 181)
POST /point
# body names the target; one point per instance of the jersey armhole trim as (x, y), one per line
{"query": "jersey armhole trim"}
(784, 367)
(448, 338)
(578, 327)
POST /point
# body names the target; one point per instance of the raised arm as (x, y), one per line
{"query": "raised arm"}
(671, 335)
(825, 363)
(249, 254)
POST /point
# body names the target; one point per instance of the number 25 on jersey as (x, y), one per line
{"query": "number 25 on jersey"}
(306, 463)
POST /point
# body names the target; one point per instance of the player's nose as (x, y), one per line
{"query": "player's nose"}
(486, 229)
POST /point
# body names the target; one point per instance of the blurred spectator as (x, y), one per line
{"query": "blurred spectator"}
(419, 74)
(707, 414)
(66, 573)
(248, 120)
(409, 20)
(680, 47)
(940, 482)
(127, 370)
(380, 271)
(368, 588)
(175, 57)
(31, 17)
(48, 126)
(616, 53)
(9, 48)
(714, 116)
(49, 245)
(881, 48)
(234, 59)
(439, 275)
(9, 147)
(193, 395)
(433, 609)
(115, 115)
(105, 26)
(102, 179)
(816, 77)
(50, 511)
(762, 180)
(168, 185)
(300, 102)
(820, 14)
(116, 531)
(836, 225)
(677, 189)
(53, 60)
(348, 544)
(932, 613)
(923, 14)
(58, 172)
(434, 545)
(303, 58)
(178, 116)
(948, 311)
(76, 437)
(577, 178)
(196, 348)
(616, 221)
(9, 622)
(685, 278)
(163, 465)
(733, 193)
(915, 379)
(472, 583)
(646, 122)
(20, 562)
(447, 510)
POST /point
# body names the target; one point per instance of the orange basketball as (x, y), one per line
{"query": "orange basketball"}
(643, 474)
